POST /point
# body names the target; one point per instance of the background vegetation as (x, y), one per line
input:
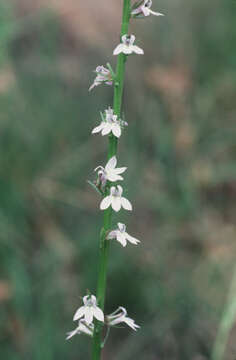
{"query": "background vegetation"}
(180, 149)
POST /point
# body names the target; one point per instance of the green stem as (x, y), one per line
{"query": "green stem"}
(226, 324)
(112, 150)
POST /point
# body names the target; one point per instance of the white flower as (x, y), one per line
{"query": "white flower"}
(127, 47)
(82, 328)
(119, 316)
(122, 236)
(110, 124)
(110, 172)
(145, 9)
(115, 200)
(103, 76)
(89, 310)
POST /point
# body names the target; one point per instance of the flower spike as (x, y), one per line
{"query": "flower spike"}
(90, 317)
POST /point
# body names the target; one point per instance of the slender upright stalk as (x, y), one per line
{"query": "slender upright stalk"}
(226, 323)
(112, 150)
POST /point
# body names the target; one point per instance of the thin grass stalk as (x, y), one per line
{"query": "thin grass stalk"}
(226, 323)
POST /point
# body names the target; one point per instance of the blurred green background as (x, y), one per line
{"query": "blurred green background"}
(180, 151)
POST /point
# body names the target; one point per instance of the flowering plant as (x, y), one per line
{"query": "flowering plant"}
(90, 315)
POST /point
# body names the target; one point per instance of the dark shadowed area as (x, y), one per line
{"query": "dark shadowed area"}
(180, 149)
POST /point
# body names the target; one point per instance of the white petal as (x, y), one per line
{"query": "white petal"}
(120, 170)
(132, 39)
(118, 49)
(114, 322)
(72, 333)
(137, 50)
(93, 300)
(85, 299)
(135, 11)
(116, 130)
(111, 163)
(106, 129)
(88, 315)
(114, 177)
(98, 128)
(130, 322)
(127, 50)
(98, 314)
(105, 203)
(121, 238)
(116, 203)
(83, 328)
(132, 239)
(146, 11)
(126, 204)
(93, 86)
(79, 313)
(156, 13)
